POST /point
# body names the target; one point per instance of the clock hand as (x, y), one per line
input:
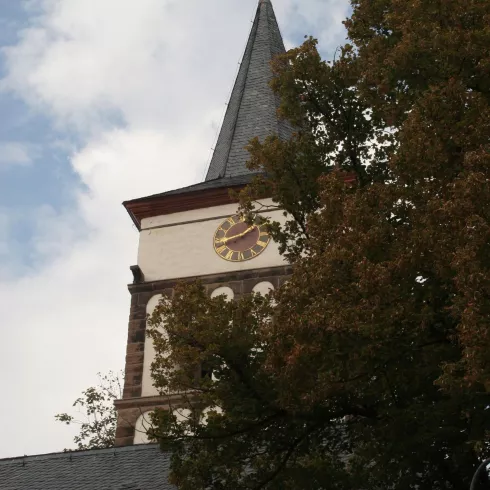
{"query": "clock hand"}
(248, 230)
(224, 241)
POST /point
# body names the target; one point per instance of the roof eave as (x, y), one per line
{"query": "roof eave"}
(149, 207)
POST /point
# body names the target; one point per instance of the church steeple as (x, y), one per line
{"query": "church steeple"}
(179, 229)
(252, 109)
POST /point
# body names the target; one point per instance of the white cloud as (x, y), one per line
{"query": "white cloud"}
(5, 221)
(141, 61)
(142, 85)
(16, 154)
(68, 321)
(318, 18)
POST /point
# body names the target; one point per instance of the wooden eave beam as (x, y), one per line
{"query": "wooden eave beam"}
(148, 207)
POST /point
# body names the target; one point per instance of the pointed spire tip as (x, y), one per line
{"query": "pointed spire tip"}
(252, 108)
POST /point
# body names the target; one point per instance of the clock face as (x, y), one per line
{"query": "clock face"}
(236, 241)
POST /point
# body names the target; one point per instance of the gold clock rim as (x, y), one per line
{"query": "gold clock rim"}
(238, 260)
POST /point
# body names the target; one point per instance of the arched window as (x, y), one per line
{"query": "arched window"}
(225, 291)
(147, 385)
(141, 428)
(205, 413)
(182, 414)
(263, 288)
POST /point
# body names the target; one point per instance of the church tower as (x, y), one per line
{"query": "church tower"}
(193, 232)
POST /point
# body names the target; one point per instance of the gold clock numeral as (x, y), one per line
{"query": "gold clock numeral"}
(254, 253)
(262, 244)
(229, 255)
(232, 221)
(241, 256)
(221, 249)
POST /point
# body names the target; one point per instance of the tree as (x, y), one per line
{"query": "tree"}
(96, 414)
(370, 368)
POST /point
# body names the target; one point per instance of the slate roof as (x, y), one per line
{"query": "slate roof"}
(252, 110)
(228, 182)
(142, 467)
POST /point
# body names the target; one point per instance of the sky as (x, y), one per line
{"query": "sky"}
(101, 101)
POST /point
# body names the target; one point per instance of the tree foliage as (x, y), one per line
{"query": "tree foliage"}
(370, 368)
(96, 415)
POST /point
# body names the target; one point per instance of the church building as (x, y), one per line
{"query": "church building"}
(194, 232)
(184, 234)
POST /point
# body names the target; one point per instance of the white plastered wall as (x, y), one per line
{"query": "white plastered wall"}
(181, 245)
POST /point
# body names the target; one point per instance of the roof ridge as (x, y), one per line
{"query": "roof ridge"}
(78, 454)
(268, 2)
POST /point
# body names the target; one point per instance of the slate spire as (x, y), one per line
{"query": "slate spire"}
(252, 109)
